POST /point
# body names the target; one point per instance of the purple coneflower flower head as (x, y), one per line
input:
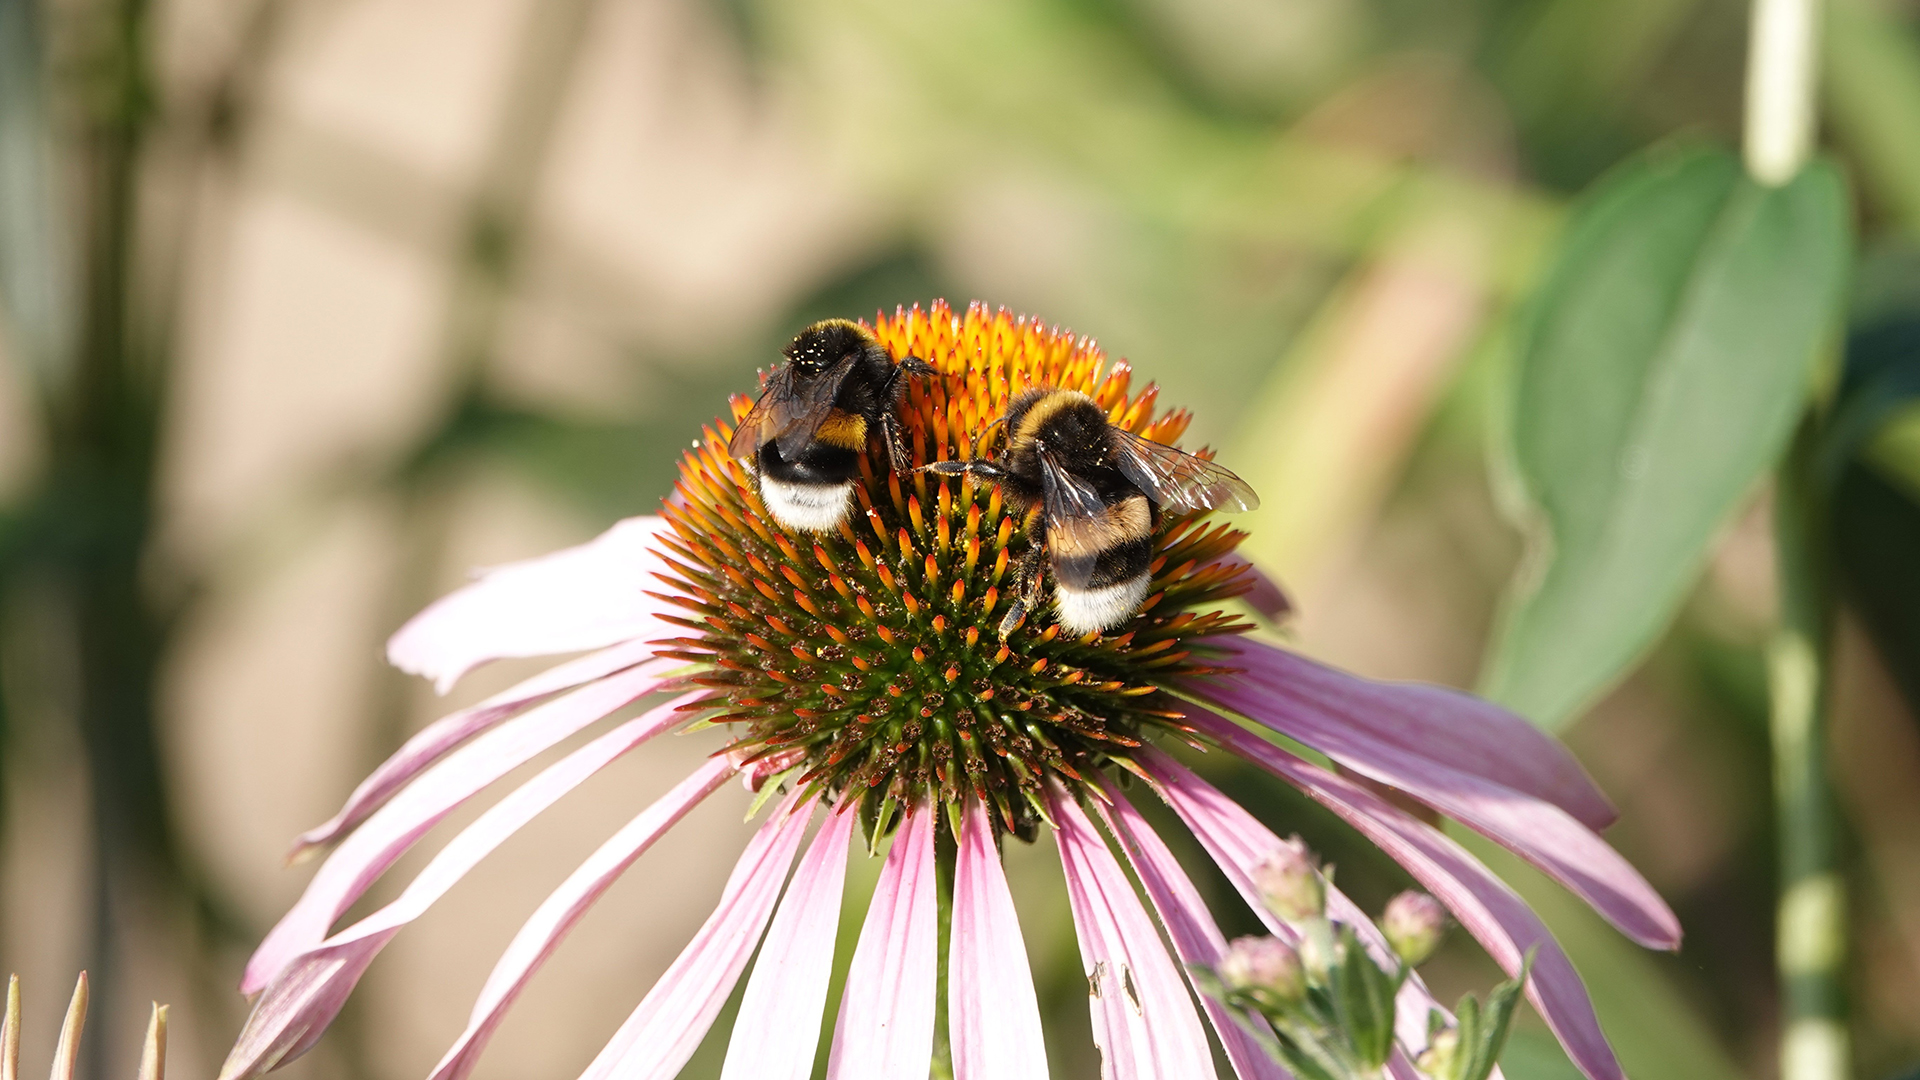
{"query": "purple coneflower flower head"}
(871, 699)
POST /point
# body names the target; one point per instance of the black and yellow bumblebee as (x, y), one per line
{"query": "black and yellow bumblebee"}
(805, 434)
(1092, 494)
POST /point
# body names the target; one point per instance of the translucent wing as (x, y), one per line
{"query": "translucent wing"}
(789, 411)
(1066, 496)
(1177, 480)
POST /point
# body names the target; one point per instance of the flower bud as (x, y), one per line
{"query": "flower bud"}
(1414, 923)
(1265, 969)
(1289, 881)
(1441, 1057)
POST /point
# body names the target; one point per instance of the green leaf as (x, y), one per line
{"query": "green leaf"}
(1872, 76)
(1363, 1001)
(1489, 1035)
(1874, 412)
(1303, 1047)
(1665, 360)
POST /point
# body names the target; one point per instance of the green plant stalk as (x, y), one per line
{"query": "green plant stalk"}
(1810, 934)
(1781, 53)
(104, 433)
(1811, 928)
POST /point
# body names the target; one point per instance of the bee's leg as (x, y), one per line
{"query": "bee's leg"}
(890, 433)
(1023, 594)
(985, 470)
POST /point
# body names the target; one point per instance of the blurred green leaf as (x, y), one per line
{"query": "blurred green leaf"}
(1876, 547)
(1667, 356)
(1882, 380)
(1872, 74)
(1895, 448)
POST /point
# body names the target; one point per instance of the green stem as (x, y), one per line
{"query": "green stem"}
(946, 852)
(1811, 931)
(1781, 49)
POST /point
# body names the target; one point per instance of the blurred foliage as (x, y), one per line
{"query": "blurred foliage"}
(1871, 461)
(1227, 191)
(1669, 353)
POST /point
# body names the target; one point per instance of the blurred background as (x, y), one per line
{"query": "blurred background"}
(308, 307)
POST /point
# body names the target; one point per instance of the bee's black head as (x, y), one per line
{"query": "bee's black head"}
(824, 344)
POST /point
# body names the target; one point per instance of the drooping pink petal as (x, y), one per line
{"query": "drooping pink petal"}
(663, 1032)
(991, 1011)
(1537, 831)
(1143, 1017)
(305, 999)
(389, 832)
(778, 1029)
(557, 914)
(1189, 925)
(584, 597)
(1237, 842)
(885, 1028)
(443, 735)
(299, 1004)
(1349, 718)
(1266, 596)
(1485, 906)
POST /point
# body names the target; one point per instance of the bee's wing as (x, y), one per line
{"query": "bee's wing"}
(1176, 479)
(788, 413)
(1065, 496)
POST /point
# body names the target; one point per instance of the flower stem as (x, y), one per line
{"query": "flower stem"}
(1810, 946)
(946, 855)
(1811, 931)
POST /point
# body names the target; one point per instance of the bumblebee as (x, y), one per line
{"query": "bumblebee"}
(1092, 494)
(805, 434)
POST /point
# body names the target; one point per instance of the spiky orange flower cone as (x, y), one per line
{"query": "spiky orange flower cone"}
(871, 654)
(862, 672)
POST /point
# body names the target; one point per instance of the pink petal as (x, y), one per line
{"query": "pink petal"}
(366, 854)
(1237, 841)
(584, 597)
(304, 999)
(557, 914)
(885, 1029)
(1143, 1018)
(441, 736)
(666, 1028)
(1189, 925)
(1351, 719)
(1266, 596)
(1539, 832)
(1498, 919)
(991, 1010)
(778, 1029)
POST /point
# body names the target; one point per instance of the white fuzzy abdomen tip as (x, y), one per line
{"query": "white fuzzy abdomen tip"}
(1084, 610)
(807, 507)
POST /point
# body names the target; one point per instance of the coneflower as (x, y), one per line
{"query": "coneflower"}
(863, 680)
